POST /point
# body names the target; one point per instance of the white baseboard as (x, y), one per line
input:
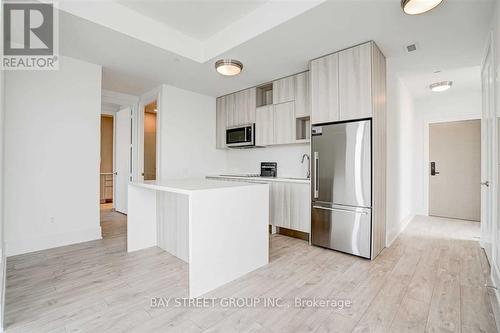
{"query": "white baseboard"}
(31, 244)
(402, 226)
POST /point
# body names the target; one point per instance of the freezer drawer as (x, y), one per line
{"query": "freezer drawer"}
(341, 228)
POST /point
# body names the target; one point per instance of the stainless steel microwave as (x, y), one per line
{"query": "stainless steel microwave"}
(241, 136)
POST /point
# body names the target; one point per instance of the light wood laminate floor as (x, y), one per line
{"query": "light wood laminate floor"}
(431, 279)
(113, 224)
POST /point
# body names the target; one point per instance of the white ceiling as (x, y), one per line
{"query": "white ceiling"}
(199, 19)
(450, 38)
(464, 80)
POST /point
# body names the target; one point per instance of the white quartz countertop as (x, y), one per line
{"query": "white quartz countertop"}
(188, 186)
(262, 179)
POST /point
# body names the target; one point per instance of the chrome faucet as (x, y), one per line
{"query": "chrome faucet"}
(308, 164)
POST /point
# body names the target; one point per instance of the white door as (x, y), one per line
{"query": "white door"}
(123, 148)
(487, 135)
(455, 170)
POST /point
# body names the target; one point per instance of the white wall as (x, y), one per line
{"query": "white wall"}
(187, 129)
(496, 42)
(288, 157)
(3, 263)
(400, 159)
(447, 106)
(52, 156)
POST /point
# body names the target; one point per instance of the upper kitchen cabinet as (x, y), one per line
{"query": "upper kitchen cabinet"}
(275, 124)
(229, 106)
(264, 125)
(221, 122)
(284, 90)
(355, 82)
(302, 95)
(342, 84)
(284, 123)
(325, 89)
(240, 108)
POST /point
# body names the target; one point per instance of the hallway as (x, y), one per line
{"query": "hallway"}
(113, 224)
(431, 279)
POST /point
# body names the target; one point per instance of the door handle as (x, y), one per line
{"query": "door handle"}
(433, 169)
(341, 210)
(486, 183)
(316, 175)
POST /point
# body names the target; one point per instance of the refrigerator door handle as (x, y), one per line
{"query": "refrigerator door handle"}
(316, 175)
(341, 210)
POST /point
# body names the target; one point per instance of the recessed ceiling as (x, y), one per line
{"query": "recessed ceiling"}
(450, 37)
(199, 19)
(170, 25)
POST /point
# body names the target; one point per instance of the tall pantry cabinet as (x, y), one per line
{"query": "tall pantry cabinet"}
(349, 85)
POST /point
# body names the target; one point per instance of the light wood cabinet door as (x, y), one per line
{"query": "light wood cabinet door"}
(355, 77)
(284, 90)
(231, 116)
(325, 89)
(284, 123)
(302, 95)
(290, 206)
(300, 207)
(264, 125)
(221, 123)
(244, 107)
(280, 204)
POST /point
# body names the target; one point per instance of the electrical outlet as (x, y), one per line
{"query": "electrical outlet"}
(52, 219)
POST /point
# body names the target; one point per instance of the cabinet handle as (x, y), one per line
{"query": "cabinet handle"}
(316, 175)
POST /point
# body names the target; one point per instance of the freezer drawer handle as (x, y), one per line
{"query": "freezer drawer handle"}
(341, 210)
(316, 175)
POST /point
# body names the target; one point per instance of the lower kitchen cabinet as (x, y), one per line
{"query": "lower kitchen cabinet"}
(289, 203)
(290, 206)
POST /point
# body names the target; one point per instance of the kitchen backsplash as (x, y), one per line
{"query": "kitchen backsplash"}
(288, 157)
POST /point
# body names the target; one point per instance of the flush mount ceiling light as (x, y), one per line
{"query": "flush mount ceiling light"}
(414, 7)
(228, 67)
(441, 86)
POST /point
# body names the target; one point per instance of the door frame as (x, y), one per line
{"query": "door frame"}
(426, 160)
(122, 101)
(111, 114)
(138, 133)
(492, 229)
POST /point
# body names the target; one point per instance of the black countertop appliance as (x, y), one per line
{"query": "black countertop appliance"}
(268, 169)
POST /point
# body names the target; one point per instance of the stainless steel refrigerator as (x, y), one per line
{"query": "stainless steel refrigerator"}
(341, 212)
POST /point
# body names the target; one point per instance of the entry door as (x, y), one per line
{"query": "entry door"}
(122, 159)
(455, 170)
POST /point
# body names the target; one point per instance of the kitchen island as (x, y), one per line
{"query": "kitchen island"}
(219, 228)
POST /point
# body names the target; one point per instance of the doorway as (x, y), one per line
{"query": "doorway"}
(114, 172)
(107, 156)
(455, 170)
(150, 135)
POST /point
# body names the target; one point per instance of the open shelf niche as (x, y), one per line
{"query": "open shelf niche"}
(303, 129)
(265, 94)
